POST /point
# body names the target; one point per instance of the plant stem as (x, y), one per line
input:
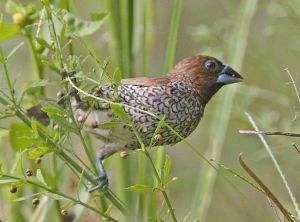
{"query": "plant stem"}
(162, 186)
(7, 78)
(63, 155)
(32, 182)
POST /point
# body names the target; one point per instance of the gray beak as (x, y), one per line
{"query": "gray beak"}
(228, 76)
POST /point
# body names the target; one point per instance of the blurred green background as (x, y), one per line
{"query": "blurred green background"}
(259, 39)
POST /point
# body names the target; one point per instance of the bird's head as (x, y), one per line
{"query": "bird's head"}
(205, 73)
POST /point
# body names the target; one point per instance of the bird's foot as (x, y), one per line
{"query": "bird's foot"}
(101, 186)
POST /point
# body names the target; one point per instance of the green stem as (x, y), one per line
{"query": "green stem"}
(59, 194)
(53, 32)
(66, 157)
(86, 149)
(162, 186)
(7, 78)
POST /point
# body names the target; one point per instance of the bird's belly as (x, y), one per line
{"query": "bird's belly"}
(175, 123)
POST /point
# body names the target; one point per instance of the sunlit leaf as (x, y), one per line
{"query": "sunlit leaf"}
(21, 136)
(38, 151)
(167, 168)
(38, 83)
(110, 125)
(57, 114)
(43, 43)
(117, 76)
(119, 110)
(78, 26)
(138, 187)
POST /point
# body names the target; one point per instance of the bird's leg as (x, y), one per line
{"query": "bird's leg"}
(107, 150)
(62, 99)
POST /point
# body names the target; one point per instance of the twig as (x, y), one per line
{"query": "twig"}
(266, 189)
(275, 133)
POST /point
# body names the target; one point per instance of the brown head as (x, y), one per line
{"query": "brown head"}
(205, 73)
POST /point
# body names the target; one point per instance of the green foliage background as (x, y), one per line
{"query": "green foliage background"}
(143, 37)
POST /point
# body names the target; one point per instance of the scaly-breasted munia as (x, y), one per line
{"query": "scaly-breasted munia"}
(179, 97)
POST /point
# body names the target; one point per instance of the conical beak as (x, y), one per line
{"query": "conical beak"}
(228, 76)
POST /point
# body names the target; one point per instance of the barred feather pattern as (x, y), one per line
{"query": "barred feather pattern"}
(177, 101)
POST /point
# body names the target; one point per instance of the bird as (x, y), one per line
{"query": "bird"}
(155, 107)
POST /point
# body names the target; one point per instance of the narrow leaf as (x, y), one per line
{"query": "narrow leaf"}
(118, 110)
(78, 26)
(117, 76)
(21, 136)
(109, 125)
(44, 43)
(167, 168)
(138, 187)
(38, 151)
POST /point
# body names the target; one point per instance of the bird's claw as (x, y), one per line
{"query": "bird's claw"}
(100, 177)
(103, 185)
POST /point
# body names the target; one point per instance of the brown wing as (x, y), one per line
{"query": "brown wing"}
(146, 81)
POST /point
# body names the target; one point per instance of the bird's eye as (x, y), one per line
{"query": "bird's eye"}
(211, 65)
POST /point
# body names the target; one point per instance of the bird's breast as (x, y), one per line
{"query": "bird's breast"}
(177, 102)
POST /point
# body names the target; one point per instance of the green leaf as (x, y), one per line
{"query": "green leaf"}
(63, 122)
(44, 43)
(78, 26)
(109, 125)
(117, 76)
(98, 16)
(38, 151)
(118, 110)
(38, 83)
(8, 30)
(21, 136)
(57, 114)
(34, 87)
(167, 168)
(52, 108)
(138, 187)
